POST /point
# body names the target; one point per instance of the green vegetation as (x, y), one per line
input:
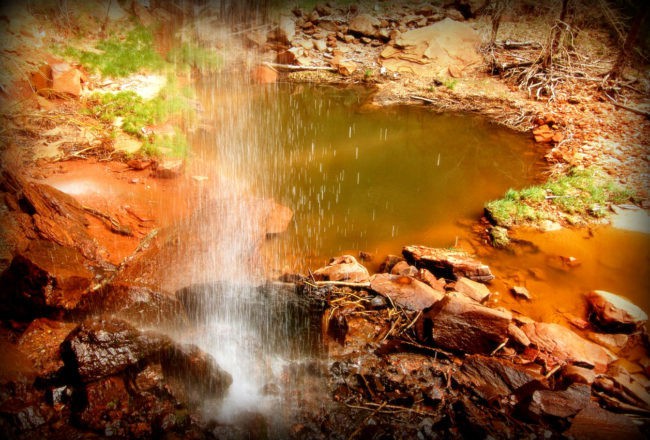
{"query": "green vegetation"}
(195, 56)
(136, 114)
(450, 83)
(582, 193)
(121, 55)
(170, 146)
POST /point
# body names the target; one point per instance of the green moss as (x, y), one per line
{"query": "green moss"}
(121, 55)
(136, 112)
(581, 194)
(169, 146)
(205, 60)
(499, 237)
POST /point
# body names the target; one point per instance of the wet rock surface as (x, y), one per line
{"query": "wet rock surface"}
(46, 279)
(611, 310)
(459, 323)
(449, 264)
(344, 268)
(405, 291)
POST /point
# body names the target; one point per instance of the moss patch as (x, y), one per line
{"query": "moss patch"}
(581, 194)
(121, 55)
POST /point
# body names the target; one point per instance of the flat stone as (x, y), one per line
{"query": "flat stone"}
(405, 291)
(610, 309)
(458, 323)
(343, 268)
(364, 24)
(494, 377)
(565, 403)
(579, 374)
(520, 291)
(564, 346)
(595, 423)
(472, 289)
(449, 264)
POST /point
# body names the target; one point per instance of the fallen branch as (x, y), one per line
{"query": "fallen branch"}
(341, 283)
(509, 44)
(422, 98)
(631, 109)
(115, 226)
(294, 67)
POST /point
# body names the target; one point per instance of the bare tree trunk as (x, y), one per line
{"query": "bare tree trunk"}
(499, 7)
(632, 36)
(556, 33)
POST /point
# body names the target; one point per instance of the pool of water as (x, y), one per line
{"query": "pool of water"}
(358, 178)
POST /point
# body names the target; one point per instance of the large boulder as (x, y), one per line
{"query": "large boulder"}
(441, 49)
(99, 348)
(492, 377)
(41, 343)
(44, 280)
(611, 310)
(459, 323)
(53, 215)
(343, 268)
(136, 304)
(558, 345)
(446, 263)
(405, 291)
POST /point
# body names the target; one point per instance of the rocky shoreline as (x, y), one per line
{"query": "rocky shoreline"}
(413, 351)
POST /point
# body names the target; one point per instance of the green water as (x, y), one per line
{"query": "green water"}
(361, 178)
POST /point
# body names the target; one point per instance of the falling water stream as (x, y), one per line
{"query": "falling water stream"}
(355, 177)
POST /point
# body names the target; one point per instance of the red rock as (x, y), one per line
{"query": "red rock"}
(613, 342)
(41, 80)
(518, 335)
(520, 291)
(277, 217)
(565, 403)
(493, 377)
(107, 403)
(168, 168)
(427, 277)
(473, 290)
(403, 268)
(344, 268)
(543, 134)
(66, 80)
(346, 68)
(364, 24)
(264, 75)
(45, 280)
(41, 342)
(449, 264)
(134, 304)
(614, 310)
(405, 291)
(595, 423)
(389, 262)
(564, 346)
(579, 374)
(458, 323)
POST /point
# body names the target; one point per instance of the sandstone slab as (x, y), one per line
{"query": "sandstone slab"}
(405, 291)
